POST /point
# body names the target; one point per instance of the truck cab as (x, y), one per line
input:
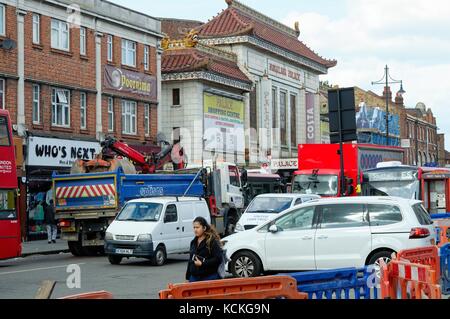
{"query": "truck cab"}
(320, 174)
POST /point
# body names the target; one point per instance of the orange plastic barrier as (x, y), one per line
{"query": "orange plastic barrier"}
(91, 295)
(424, 256)
(272, 287)
(405, 280)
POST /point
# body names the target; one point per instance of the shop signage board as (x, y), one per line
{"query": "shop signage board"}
(130, 82)
(51, 152)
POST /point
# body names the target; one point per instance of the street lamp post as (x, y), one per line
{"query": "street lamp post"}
(386, 80)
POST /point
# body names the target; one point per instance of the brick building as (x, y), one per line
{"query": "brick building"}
(421, 130)
(79, 70)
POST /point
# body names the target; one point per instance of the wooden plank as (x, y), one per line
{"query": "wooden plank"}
(45, 290)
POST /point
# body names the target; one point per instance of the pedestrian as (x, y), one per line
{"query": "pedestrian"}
(50, 221)
(205, 253)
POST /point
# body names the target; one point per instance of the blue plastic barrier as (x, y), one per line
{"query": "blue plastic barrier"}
(440, 216)
(438, 235)
(337, 284)
(445, 269)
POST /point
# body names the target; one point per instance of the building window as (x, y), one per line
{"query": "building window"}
(146, 58)
(274, 108)
(2, 94)
(83, 110)
(83, 35)
(60, 35)
(36, 28)
(129, 117)
(147, 119)
(60, 107)
(283, 118)
(110, 114)
(2, 19)
(110, 47)
(36, 104)
(293, 116)
(128, 53)
(175, 97)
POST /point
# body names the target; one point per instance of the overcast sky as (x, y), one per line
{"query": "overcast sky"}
(411, 36)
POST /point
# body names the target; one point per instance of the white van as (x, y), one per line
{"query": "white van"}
(267, 206)
(153, 228)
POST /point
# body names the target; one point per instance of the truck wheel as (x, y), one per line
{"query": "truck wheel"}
(159, 257)
(114, 260)
(75, 248)
(245, 264)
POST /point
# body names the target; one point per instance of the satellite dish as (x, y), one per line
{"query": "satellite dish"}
(8, 44)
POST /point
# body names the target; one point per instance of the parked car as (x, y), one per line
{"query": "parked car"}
(331, 233)
(154, 228)
(267, 206)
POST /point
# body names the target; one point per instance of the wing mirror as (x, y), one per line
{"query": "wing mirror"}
(273, 229)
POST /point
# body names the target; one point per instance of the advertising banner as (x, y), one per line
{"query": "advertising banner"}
(223, 124)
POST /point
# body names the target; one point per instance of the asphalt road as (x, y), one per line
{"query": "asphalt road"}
(133, 279)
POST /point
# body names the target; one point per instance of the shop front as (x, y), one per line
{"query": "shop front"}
(46, 156)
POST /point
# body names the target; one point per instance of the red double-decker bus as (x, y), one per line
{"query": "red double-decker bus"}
(10, 239)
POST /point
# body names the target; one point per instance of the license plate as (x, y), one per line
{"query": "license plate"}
(124, 251)
(68, 229)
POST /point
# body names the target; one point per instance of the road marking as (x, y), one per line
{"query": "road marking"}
(35, 269)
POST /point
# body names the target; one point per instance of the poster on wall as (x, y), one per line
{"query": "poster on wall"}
(52, 152)
(223, 124)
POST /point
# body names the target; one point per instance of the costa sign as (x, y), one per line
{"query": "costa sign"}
(310, 119)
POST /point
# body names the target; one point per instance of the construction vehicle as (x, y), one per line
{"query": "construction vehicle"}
(88, 200)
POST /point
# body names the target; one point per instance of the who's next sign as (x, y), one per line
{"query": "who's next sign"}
(51, 152)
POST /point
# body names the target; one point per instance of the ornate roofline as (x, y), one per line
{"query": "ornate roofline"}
(219, 53)
(269, 47)
(207, 76)
(262, 17)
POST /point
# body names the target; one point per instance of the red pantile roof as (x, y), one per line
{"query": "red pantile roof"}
(233, 21)
(192, 59)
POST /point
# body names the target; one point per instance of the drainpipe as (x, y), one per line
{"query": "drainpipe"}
(21, 69)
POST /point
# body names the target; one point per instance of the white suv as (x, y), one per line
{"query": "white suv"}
(331, 233)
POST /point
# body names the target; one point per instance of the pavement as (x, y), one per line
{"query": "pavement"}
(42, 247)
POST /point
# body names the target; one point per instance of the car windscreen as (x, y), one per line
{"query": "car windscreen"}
(323, 185)
(422, 215)
(269, 205)
(140, 212)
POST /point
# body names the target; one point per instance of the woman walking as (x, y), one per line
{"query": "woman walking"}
(205, 253)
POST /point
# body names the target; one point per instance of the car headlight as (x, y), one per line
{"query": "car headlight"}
(239, 227)
(145, 237)
(109, 236)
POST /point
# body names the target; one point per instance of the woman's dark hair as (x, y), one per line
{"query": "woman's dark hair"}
(210, 232)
